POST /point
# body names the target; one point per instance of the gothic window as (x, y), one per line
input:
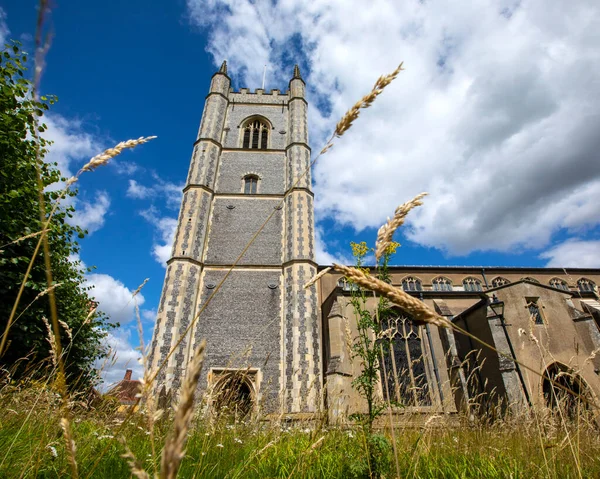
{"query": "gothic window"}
(411, 284)
(499, 281)
(346, 285)
(559, 284)
(528, 278)
(404, 378)
(256, 135)
(534, 310)
(441, 284)
(250, 184)
(586, 285)
(472, 284)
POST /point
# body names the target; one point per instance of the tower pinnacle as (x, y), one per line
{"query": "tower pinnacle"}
(223, 68)
(297, 72)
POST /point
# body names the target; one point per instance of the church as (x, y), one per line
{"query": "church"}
(277, 348)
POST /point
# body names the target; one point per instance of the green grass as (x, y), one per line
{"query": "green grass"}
(29, 429)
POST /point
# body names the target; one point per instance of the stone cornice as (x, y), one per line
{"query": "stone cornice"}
(297, 261)
(199, 187)
(297, 143)
(211, 140)
(218, 93)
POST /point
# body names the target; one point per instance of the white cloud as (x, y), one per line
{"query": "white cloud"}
(125, 167)
(495, 115)
(71, 145)
(4, 31)
(574, 254)
(113, 297)
(90, 215)
(165, 231)
(323, 256)
(172, 192)
(124, 356)
(135, 190)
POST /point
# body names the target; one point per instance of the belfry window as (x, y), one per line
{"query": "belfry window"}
(403, 372)
(442, 284)
(472, 284)
(411, 284)
(250, 184)
(256, 135)
(559, 284)
(529, 278)
(586, 285)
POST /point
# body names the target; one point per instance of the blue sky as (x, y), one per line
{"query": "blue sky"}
(496, 116)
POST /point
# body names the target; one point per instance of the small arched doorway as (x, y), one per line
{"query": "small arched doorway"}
(234, 393)
(565, 389)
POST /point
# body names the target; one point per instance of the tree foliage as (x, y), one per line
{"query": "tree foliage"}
(19, 217)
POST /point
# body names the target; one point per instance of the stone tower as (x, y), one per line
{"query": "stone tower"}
(262, 327)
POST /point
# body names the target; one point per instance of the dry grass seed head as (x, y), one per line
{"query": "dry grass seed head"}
(174, 449)
(315, 278)
(420, 313)
(365, 102)
(386, 232)
(106, 155)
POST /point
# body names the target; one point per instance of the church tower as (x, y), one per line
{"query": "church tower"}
(262, 327)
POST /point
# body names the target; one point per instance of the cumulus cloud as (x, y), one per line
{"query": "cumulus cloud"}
(165, 234)
(322, 255)
(574, 253)
(125, 356)
(90, 215)
(4, 31)
(113, 297)
(71, 145)
(495, 115)
(171, 192)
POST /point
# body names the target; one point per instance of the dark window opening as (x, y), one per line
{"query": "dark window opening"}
(250, 185)
(256, 135)
(403, 370)
(534, 310)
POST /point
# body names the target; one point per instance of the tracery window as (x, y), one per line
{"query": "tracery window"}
(441, 284)
(559, 284)
(534, 310)
(499, 281)
(411, 284)
(404, 377)
(250, 184)
(347, 285)
(472, 284)
(256, 135)
(586, 285)
(529, 278)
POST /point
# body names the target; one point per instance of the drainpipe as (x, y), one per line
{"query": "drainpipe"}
(435, 367)
(484, 278)
(514, 357)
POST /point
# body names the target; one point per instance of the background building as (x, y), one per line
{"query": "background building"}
(269, 339)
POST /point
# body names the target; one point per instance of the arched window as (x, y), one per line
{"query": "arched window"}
(565, 389)
(472, 284)
(499, 281)
(559, 284)
(346, 285)
(529, 278)
(534, 310)
(441, 284)
(404, 378)
(586, 285)
(250, 184)
(411, 284)
(256, 135)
